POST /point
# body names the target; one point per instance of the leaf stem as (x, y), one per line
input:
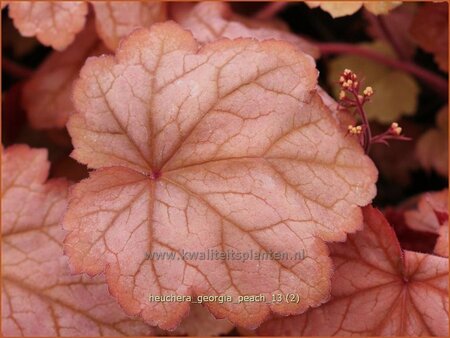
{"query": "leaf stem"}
(269, 11)
(365, 122)
(390, 38)
(439, 84)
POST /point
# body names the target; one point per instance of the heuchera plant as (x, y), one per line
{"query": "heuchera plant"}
(164, 143)
(193, 143)
(397, 292)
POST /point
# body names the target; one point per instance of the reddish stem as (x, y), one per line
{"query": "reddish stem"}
(270, 10)
(436, 82)
(365, 122)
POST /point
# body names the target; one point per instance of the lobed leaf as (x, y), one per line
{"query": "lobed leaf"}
(342, 8)
(431, 212)
(211, 21)
(115, 20)
(47, 95)
(431, 215)
(54, 23)
(377, 290)
(430, 30)
(226, 147)
(432, 146)
(39, 295)
(408, 238)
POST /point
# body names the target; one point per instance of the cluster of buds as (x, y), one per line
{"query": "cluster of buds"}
(349, 80)
(368, 92)
(351, 98)
(350, 90)
(354, 130)
(395, 129)
(394, 132)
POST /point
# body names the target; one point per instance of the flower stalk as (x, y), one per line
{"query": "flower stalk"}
(351, 98)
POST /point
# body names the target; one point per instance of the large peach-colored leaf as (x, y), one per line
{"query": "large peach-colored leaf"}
(210, 21)
(39, 296)
(430, 30)
(117, 19)
(377, 290)
(432, 146)
(47, 96)
(54, 23)
(227, 147)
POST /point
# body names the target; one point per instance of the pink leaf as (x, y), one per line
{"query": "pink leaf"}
(227, 147)
(115, 20)
(430, 30)
(393, 28)
(54, 23)
(432, 146)
(431, 215)
(441, 247)
(431, 212)
(377, 290)
(210, 21)
(39, 296)
(47, 96)
(409, 239)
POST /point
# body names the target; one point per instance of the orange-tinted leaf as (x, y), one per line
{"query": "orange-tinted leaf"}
(47, 96)
(39, 296)
(342, 8)
(431, 215)
(430, 30)
(432, 147)
(211, 21)
(381, 7)
(117, 19)
(431, 212)
(54, 23)
(336, 8)
(227, 147)
(409, 239)
(377, 290)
